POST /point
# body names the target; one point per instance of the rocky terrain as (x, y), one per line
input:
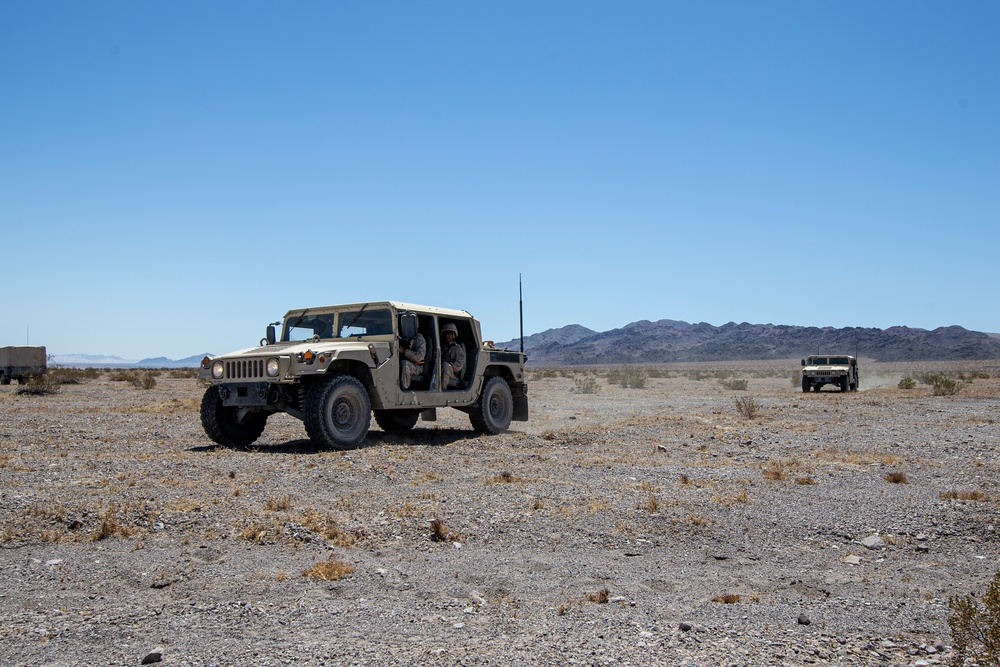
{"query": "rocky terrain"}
(650, 525)
(675, 341)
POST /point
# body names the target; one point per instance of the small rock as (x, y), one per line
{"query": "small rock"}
(661, 448)
(804, 620)
(852, 560)
(156, 655)
(873, 542)
(684, 626)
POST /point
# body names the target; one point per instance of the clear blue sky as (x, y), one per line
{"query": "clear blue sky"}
(174, 175)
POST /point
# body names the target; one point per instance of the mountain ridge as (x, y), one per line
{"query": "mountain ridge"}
(662, 341)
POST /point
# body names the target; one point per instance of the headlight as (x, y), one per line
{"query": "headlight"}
(272, 367)
(218, 370)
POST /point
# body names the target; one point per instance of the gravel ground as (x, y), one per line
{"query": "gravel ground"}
(627, 527)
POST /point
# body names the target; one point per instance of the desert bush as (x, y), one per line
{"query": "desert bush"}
(907, 383)
(735, 384)
(945, 386)
(897, 478)
(628, 376)
(975, 627)
(145, 381)
(600, 597)
(728, 598)
(441, 533)
(585, 386)
(40, 385)
(775, 470)
(184, 373)
(748, 407)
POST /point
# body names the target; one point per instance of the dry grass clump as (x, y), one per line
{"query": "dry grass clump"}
(775, 470)
(897, 478)
(602, 596)
(505, 477)
(441, 533)
(963, 495)
(739, 498)
(331, 570)
(805, 480)
(280, 504)
(727, 598)
(587, 385)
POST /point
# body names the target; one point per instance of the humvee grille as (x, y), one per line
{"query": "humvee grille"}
(245, 369)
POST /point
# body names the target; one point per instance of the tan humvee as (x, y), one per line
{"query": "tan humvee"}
(838, 369)
(333, 366)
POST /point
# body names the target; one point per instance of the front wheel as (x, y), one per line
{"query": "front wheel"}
(221, 423)
(806, 384)
(495, 409)
(338, 412)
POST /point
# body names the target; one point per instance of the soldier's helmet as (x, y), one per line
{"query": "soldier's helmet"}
(449, 327)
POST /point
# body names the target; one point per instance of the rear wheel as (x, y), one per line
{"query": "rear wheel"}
(495, 409)
(396, 421)
(221, 423)
(338, 412)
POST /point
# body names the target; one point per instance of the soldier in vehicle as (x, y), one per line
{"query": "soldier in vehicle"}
(452, 355)
(413, 352)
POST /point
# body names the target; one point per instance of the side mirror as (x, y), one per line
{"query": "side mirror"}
(270, 334)
(408, 326)
(803, 362)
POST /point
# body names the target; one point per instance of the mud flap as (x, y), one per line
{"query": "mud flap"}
(429, 415)
(520, 409)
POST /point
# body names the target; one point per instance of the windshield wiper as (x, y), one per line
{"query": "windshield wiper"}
(351, 323)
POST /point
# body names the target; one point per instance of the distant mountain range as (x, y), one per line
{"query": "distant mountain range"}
(106, 361)
(672, 340)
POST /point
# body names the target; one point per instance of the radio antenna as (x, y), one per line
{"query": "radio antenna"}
(520, 306)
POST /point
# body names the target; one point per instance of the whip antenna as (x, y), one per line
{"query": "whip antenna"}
(520, 307)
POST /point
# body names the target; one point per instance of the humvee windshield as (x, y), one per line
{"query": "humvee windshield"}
(365, 323)
(829, 361)
(304, 327)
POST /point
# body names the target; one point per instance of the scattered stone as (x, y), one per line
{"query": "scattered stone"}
(873, 542)
(156, 655)
(852, 560)
(804, 620)
(684, 626)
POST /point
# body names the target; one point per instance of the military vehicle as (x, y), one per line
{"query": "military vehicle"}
(333, 366)
(21, 363)
(823, 369)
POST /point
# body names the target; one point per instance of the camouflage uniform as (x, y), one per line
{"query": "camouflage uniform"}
(452, 357)
(413, 358)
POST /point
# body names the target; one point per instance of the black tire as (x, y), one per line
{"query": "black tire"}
(817, 387)
(843, 383)
(5, 379)
(338, 412)
(220, 423)
(806, 384)
(495, 409)
(397, 421)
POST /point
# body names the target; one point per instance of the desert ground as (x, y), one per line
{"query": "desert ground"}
(680, 522)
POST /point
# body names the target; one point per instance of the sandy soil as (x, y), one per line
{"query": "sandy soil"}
(643, 526)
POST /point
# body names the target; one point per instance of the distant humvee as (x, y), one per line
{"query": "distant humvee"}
(822, 369)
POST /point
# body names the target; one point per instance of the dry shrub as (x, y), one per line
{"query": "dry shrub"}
(975, 629)
(40, 385)
(651, 504)
(600, 597)
(735, 384)
(897, 478)
(748, 407)
(963, 495)
(805, 480)
(331, 570)
(728, 598)
(441, 533)
(907, 383)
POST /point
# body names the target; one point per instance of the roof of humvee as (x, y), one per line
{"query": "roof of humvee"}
(398, 305)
